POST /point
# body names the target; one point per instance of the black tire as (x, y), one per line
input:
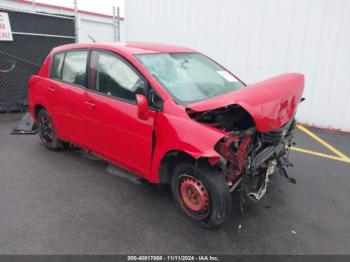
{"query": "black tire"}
(212, 183)
(47, 132)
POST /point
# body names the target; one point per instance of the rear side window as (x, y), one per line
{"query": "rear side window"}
(57, 66)
(74, 68)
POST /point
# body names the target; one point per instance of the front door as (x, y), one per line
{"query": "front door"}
(113, 128)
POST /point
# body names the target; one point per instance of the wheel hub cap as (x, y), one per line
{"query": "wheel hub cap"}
(194, 194)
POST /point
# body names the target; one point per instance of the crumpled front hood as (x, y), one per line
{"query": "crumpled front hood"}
(271, 103)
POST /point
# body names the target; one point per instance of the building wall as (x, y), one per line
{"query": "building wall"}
(99, 30)
(259, 39)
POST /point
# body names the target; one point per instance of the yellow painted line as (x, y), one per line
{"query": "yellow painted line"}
(297, 149)
(324, 143)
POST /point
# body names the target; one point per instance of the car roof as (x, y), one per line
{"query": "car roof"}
(130, 47)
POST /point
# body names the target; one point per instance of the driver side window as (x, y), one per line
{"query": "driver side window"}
(112, 76)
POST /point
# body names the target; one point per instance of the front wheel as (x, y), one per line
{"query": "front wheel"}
(202, 195)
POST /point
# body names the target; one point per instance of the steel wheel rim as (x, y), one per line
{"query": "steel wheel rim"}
(194, 197)
(46, 129)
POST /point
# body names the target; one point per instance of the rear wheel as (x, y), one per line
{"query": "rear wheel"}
(47, 131)
(202, 195)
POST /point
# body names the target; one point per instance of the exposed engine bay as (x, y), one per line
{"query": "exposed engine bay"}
(249, 157)
(230, 118)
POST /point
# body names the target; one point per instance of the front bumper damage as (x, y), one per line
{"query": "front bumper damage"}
(251, 158)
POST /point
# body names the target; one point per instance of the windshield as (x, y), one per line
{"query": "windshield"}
(190, 77)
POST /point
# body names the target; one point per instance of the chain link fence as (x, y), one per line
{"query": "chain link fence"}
(34, 35)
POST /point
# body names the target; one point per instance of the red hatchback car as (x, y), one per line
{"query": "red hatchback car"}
(170, 115)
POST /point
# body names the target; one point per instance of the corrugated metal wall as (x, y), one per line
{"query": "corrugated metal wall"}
(100, 31)
(258, 39)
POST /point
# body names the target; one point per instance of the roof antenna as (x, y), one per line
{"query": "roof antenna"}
(93, 40)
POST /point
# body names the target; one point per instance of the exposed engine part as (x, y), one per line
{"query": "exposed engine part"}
(276, 136)
(249, 157)
(267, 154)
(234, 149)
(257, 195)
(235, 185)
(229, 118)
(252, 157)
(261, 191)
(262, 156)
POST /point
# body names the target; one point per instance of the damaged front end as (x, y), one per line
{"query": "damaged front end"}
(249, 157)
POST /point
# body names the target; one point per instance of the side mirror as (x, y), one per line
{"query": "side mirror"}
(142, 107)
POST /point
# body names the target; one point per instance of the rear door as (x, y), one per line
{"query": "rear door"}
(66, 92)
(53, 90)
(112, 126)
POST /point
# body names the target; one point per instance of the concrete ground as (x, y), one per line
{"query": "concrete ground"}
(73, 203)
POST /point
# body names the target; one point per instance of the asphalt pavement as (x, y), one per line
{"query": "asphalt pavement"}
(71, 202)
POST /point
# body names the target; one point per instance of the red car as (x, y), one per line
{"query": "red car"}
(170, 115)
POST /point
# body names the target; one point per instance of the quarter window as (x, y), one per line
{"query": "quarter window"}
(57, 66)
(74, 68)
(112, 76)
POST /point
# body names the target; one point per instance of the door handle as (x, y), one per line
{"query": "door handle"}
(51, 89)
(90, 104)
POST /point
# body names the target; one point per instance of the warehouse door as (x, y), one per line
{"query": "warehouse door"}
(33, 36)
